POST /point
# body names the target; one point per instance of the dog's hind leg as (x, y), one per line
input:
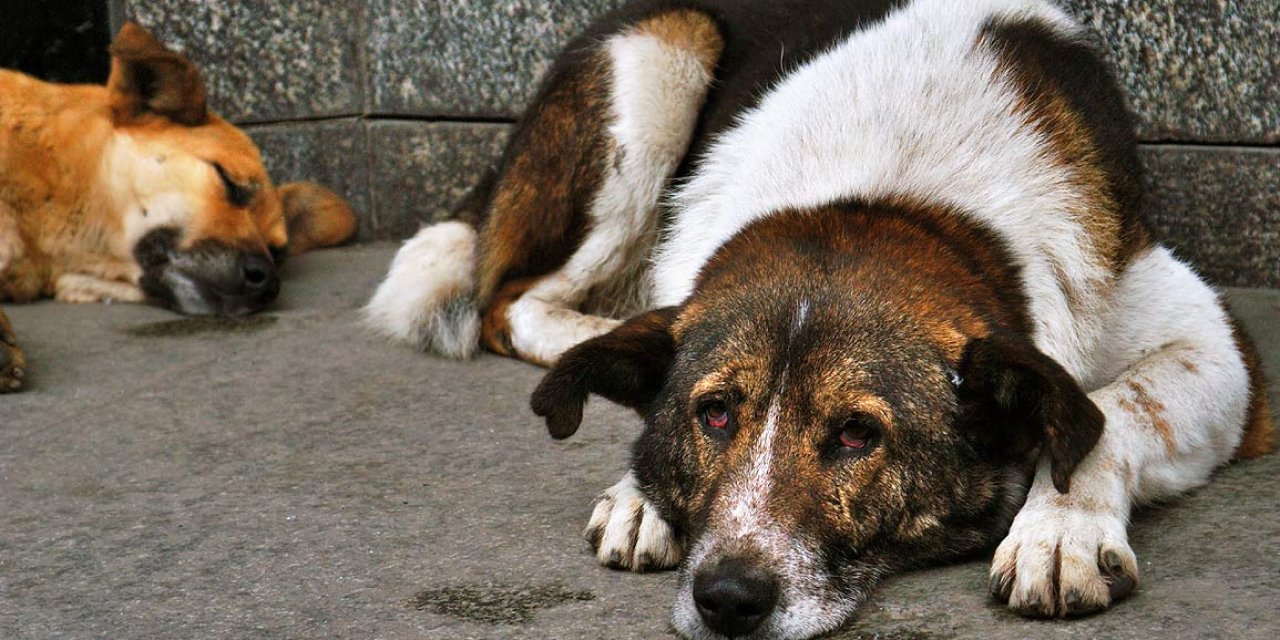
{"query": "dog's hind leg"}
(12, 364)
(1183, 396)
(574, 203)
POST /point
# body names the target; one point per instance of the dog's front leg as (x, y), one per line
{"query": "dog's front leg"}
(1175, 410)
(82, 288)
(626, 532)
(12, 363)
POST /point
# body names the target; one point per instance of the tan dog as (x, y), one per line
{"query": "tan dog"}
(135, 192)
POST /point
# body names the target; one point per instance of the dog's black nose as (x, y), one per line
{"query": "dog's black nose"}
(258, 272)
(734, 597)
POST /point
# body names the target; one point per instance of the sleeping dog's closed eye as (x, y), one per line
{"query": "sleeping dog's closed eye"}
(238, 194)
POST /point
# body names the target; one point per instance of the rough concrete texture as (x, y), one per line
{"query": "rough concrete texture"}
(1201, 70)
(265, 60)
(471, 59)
(334, 153)
(289, 476)
(1219, 208)
(421, 170)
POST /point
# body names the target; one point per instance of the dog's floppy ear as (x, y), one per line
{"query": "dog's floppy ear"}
(147, 77)
(627, 365)
(316, 217)
(1014, 398)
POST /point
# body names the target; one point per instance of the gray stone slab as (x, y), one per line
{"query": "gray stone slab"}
(1219, 208)
(480, 58)
(1197, 70)
(333, 153)
(420, 170)
(293, 477)
(265, 60)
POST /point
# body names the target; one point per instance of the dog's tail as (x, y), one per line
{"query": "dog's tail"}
(428, 298)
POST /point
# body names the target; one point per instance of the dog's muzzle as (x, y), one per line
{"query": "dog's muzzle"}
(208, 278)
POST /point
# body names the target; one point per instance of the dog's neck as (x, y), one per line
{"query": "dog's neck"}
(61, 170)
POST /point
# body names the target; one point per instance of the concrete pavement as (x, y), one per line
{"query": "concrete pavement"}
(290, 476)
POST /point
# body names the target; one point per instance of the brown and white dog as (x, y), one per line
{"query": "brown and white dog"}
(136, 192)
(898, 302)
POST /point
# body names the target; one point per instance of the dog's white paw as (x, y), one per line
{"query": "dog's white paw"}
(1061, 561)
(628, 533)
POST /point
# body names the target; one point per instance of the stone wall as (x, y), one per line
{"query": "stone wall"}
(399, 104)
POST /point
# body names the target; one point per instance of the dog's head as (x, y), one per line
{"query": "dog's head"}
(197, 211)
(833, 403)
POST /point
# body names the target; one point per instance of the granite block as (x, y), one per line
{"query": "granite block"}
(1218, 208)
(333, 153)
(264, 60)
(1194, 70)
(481, 58)
(420, 170)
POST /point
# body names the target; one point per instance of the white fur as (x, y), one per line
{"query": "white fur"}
(909, 107)
(630, 532)
(80, 288)
(656, 93)
(742, 523)
(1170, 356)
(426, 297)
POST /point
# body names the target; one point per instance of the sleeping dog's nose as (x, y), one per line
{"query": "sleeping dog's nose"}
(734, 597)
(259, 277)
(258, 272)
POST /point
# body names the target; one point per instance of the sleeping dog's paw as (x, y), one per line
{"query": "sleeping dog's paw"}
(627, 532)
(1061, 561)
(12, 364)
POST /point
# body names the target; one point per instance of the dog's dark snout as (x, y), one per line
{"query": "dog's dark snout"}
(734, 597)
(258, 271)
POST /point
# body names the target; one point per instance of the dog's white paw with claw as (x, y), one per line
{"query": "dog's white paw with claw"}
(1063, 561)
(628, 533)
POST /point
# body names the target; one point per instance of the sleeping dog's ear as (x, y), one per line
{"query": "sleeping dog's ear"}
(627, 365)
(147, 77)
(1014, 398)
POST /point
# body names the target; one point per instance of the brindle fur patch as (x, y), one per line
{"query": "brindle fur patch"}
(1066, 93)
(550, 174)
(1260, 431)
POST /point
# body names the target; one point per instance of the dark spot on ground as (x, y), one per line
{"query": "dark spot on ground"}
(496, 603)
(184, 327)
(896, 634)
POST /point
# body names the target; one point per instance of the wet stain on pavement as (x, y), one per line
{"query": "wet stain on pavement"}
(496, 603)
(185, 327)
(897, 634)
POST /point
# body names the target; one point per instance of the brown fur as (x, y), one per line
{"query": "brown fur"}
(891, 289)
(1260, 430)
(537, 215)
(81, 166)
(1050, 75)
(12, 363)
(1148, 410)
(689, 30)
(495, 326)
